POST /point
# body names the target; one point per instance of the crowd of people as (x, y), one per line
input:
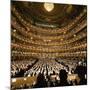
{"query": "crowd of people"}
(53, 73)
(18, 68)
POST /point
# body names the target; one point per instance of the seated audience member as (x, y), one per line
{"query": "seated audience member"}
(41, 82)
(63, 78)
(81, 71)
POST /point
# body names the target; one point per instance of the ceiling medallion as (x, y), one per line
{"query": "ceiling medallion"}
(49, 6)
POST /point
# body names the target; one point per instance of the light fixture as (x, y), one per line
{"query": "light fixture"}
(25, 79)
(64, 32)
(14, 80)
(29, 75)
(61, 39)
(74, 35)
(14, 30)
(49, 6)
(31, 38)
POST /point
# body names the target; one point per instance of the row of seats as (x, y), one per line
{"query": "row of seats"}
(18, 68)
(55, 73)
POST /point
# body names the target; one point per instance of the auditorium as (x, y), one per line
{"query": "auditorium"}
(48, 45)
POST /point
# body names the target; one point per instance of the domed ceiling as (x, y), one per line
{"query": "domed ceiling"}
(58, 16)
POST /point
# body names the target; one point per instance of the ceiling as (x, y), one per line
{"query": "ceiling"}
(60, 16)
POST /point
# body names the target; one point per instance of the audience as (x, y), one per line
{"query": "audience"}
(18, 68)
(41, 82)
(51, 73)
(81, 70)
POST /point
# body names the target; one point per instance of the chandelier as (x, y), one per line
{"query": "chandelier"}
(49, 6)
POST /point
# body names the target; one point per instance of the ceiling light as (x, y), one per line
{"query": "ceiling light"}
(49, 6)
(14, 80)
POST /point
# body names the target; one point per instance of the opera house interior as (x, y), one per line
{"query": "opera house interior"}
(48, 45)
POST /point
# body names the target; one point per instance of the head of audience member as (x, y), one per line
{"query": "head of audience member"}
(63, 78)
(40, 81)
(63, 74)
(81, 71)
